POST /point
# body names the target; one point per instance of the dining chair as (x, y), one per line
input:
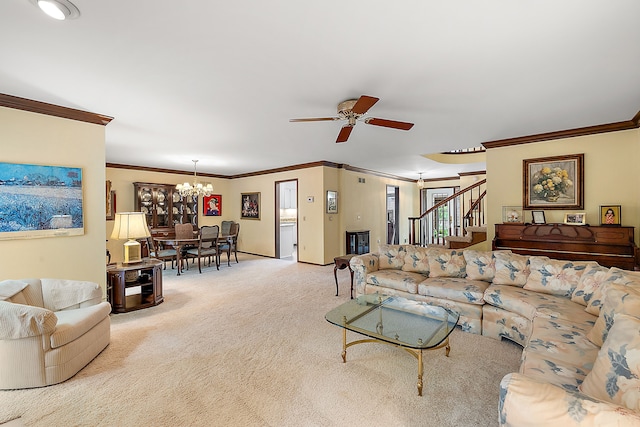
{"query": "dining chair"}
(207, 247)
(163, 255)
(230, 243)
(225, 228)
(184, 231)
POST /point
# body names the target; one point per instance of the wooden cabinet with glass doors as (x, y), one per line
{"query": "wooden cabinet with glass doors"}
(164, 207)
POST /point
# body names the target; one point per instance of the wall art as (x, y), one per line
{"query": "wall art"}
(40, 201)
(212, 205)
(554, 182)
(250, 208)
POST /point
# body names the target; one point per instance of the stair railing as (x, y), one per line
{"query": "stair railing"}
(450, 217)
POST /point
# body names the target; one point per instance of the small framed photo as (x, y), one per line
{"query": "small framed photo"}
(332, 202)
(512, 214)
(537, 217)
(576, 218)
(250, 206)
(611, 215)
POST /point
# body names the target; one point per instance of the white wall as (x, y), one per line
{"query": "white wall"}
(45, 140)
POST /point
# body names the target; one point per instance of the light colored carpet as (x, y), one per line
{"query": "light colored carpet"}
(249, 346)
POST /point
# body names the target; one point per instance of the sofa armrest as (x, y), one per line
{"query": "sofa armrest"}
(526, 402)
(61, 294)
(361, 266)
(21, 321)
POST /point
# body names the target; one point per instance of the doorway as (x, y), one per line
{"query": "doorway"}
(393, 214)
(436, 227)
(286, 227)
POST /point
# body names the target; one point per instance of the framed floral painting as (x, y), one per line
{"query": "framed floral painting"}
(554, 182)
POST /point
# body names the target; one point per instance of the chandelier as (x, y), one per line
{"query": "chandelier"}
(420, 181)
(195, 189)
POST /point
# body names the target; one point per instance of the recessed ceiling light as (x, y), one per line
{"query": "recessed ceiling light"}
(58, 9)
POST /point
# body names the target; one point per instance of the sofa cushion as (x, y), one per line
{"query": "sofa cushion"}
(72, 324)
(454, 288)
(562, 373)
(619, 300)
(615, 276)
(530, 304)
(616, 374)
(511, 269)
(564, 342)
(590, 280)
(396, 279)
(391, 257)
(481, 265)
(555, 277)
(21, 321)
(446, 263)
(416, 259)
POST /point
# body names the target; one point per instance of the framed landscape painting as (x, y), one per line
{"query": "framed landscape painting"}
(250, 208)
(40, 201)
(554, 182)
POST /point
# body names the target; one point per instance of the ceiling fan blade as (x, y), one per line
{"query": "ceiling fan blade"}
(363, 104)
(388, 123)
(315, 119)
(344, 133)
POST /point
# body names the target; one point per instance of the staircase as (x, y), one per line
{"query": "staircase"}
(455, 222)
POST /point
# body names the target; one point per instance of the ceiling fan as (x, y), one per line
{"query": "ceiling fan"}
(353, 110)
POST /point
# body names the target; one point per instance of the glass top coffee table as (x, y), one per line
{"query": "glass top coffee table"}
(411, 325)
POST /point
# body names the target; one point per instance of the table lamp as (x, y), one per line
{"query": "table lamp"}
(131, 226)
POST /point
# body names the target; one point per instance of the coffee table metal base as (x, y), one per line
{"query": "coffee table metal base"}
(415, 353)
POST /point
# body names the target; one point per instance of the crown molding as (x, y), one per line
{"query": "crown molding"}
(569, 133)
(32, 106)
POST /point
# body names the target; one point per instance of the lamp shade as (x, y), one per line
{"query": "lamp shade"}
(131, 226)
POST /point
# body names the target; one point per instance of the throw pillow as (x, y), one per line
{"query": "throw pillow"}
(481, 265)
(555, 277)
(511, 269)
(615, 276)
(446, 263)
(620, 299)
(391, 257)
(589, 282)
(416, 259)
(616, 373)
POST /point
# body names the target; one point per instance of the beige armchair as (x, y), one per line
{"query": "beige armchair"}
(49, 330)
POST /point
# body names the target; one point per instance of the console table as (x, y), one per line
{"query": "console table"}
(608, 246)
(134, 286)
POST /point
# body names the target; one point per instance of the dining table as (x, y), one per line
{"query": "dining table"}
(177, 244)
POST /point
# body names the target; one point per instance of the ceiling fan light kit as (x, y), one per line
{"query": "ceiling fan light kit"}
(58, 9)
(353, 110)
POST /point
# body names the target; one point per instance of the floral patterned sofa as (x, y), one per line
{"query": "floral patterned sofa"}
(578, 323)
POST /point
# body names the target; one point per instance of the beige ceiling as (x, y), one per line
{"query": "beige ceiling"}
(218, 81)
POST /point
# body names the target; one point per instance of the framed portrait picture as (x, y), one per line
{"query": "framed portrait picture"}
(332, 202)
(250, 206)
(554, 182)
(212, 205)
(576, 218)
(611, 215)
(537, 217)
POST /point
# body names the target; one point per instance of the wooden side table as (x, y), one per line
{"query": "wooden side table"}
(143, 278)
(342, 262)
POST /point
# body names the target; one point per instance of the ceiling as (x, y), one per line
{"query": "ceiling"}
(218, 81)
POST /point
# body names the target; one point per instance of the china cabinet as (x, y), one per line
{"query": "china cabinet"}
(164, 207)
